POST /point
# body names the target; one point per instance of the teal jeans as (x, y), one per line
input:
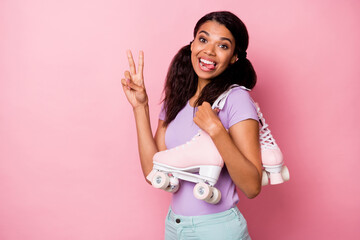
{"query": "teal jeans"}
(228, 225)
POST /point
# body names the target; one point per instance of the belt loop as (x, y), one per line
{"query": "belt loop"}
(169, 213)
(234, 210)
(237, 212)
(192, 224)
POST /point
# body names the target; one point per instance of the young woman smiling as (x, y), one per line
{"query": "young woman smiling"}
(198, 74)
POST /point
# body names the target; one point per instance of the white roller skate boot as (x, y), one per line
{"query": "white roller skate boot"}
(272, 158)
(196, 161)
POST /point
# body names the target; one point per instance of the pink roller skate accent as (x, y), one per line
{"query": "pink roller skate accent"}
(200, 151)
(196, 161)
(272, 158)
(199, 155)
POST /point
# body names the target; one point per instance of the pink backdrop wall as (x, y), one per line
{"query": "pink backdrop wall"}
(69, 165)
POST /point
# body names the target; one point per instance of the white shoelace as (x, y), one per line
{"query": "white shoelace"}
(266, 139)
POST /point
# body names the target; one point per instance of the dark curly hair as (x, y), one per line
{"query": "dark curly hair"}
(181, 80)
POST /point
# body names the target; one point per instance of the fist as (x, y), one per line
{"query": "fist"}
(206, 118)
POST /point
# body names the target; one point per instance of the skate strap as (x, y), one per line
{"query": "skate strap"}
(221, 100)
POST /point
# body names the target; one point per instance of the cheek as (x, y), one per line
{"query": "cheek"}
(194, 59)
(227, 59)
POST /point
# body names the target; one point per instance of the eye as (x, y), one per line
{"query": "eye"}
(203, 40)
(224, 46)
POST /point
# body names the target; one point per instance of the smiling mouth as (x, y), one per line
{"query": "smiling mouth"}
(206, 65)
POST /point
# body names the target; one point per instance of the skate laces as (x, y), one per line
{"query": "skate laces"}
(266, 139)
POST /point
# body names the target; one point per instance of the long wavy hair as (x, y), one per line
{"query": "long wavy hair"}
(181, 80)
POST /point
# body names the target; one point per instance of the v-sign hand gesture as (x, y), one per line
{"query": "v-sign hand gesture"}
(133, 83)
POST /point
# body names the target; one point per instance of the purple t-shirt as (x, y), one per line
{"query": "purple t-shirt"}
(238, 107)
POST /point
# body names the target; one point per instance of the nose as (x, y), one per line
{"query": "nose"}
(210, 49)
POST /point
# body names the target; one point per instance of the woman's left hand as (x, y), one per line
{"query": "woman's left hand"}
(206, 118)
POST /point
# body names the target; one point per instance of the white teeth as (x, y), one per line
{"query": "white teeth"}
(206, 61)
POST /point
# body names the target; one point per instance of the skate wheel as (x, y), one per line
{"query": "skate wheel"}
(160, 180)
(265, 178)
(285, 173)
(202, 191)
(215, 197)
(173, 185)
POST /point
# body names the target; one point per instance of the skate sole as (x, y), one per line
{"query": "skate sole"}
(209, 174)
(273, 168)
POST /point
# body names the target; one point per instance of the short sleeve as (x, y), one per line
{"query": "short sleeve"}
(162, 113)
(238, 107)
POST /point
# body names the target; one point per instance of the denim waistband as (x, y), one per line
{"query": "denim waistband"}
(197, 220)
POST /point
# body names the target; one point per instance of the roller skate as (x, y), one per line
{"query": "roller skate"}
(272, 158)
(196, 161)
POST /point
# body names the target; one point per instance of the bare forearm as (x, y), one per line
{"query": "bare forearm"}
(146, 143)
(243, 172)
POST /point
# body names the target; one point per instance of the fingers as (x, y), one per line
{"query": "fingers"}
(124, 82)
(131, 62)
(206, 118)
(127, 75)
(205, 110)
(129, 84)
(141, 63)
(134, 86)
(206, 104)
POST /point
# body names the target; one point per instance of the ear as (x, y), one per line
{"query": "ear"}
(191, 46)
(233, 59)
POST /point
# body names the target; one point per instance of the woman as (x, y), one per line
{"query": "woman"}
(198, 74)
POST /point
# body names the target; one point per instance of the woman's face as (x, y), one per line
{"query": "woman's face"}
(212, 50)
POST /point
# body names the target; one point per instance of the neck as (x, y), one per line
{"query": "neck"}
(201, 84)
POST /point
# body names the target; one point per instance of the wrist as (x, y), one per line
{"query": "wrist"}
(141, 107)
(216, 130)
(140, 110)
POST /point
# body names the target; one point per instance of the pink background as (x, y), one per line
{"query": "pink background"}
(69, 166)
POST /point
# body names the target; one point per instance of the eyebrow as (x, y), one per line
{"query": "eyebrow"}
(222, 38)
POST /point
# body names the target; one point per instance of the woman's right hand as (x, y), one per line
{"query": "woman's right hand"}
(133, 82)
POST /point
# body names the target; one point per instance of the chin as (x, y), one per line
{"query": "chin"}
(205, 76)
